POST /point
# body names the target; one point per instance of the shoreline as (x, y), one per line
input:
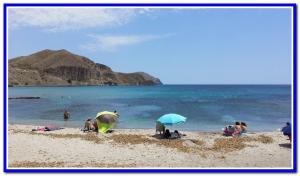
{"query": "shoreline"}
(200, 131)
(136, 148)
(124, 85)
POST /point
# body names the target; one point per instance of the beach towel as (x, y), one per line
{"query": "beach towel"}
(52, 128)
(48, 128)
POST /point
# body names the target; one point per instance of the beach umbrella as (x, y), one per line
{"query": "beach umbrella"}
(170, 119)
(107, 117)
(106, 120)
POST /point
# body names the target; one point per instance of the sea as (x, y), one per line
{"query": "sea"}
(207, 107)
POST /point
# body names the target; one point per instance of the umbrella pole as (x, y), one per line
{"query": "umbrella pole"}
(171, 129)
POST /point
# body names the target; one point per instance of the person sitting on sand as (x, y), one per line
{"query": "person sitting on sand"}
(66, 115)
(88, 125)
(287, 131)
(237, 129)
(95, 125)
(243, 127)
(160, 128)
(228, 130)
(167, 134)
(177, 134)
(237, 125)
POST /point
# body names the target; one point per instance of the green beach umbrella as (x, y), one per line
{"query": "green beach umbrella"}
(106, 120)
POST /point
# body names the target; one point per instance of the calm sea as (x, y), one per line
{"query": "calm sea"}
(207, 107)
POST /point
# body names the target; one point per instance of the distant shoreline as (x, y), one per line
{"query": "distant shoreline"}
(158, 85)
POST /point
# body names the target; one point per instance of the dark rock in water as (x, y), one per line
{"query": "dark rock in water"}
(24, 98)
(62, 68)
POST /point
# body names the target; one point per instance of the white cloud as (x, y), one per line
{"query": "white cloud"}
(62, 19)
(111, 43)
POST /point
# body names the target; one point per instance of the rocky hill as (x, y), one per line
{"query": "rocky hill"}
(62, 68)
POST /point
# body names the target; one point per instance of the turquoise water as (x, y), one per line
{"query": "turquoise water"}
(207, 107)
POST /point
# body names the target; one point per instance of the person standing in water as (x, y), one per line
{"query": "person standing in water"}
(66, 115)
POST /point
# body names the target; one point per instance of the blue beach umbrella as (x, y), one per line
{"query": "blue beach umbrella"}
(170, 119)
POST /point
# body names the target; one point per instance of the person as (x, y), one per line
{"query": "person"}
(47, 128)
(287, 130)
(176, 134)
(95, 125)
(66, 115)
(160, 128)
(228, 130)
(237, 125)
(116, 113)
(167, 134)
(243, 127)
(237, 129)
(88, 125)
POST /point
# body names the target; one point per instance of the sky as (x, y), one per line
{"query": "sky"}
(179, 46)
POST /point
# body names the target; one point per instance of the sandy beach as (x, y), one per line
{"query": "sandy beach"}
(139, 148)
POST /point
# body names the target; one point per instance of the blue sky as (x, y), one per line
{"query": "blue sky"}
(179, 46)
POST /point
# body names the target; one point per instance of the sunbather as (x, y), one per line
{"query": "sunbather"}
(228, 130)
(167, 134)
(177, 134)
(160, 128)
(235, 130)
(95, 125)
(243, 127)
(48, 128)
(88, 125)
(240, 128)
